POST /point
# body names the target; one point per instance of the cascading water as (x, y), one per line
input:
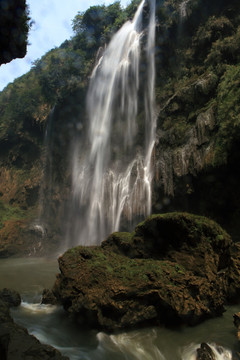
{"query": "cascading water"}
(183, 9)
(40, 223)
(46, 185)
(112, 177)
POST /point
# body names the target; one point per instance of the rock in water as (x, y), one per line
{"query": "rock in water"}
(174, 268)
(48, 297)
(236, 320)
(15, 342)
(205, 353)
(11, 297)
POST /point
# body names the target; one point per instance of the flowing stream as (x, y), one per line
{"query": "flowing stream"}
(112, 170)
(51, 325)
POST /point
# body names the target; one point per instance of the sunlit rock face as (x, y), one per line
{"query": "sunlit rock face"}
(14, 30)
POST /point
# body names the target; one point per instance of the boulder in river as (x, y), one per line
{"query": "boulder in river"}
(11, 297)
(174, 268)
(205, 352)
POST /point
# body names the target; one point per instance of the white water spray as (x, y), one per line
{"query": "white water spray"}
(219, 352)
(112, 180)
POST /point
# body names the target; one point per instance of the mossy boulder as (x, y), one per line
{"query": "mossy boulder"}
(174, 268)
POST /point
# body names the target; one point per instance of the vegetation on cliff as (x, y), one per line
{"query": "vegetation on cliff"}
(197, 93)
(59, 79)
(202, 75)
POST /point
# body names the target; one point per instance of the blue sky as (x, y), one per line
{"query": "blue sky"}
(52, 25)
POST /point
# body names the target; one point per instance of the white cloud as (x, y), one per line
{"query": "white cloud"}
(53, 25)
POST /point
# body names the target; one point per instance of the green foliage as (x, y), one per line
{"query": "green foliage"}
(58, 69)
(26, 103)
(215, 29)
(95, 26)
(97, 19)
(18, 105)
(130, 271)
(225, 50)
(228, 112)
(132, 8)
(8, 212)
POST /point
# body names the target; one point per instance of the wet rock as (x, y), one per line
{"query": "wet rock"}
(15, 342)
(48, 297)
(236, 320)
(205, 352)
(11, 297)
(174, 268)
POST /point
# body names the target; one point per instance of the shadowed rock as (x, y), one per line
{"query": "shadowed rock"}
(15, 342)
(11, 297)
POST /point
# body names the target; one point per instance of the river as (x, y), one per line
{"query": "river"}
(51, 325)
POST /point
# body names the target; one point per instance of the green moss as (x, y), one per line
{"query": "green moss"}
(8, 212)
(101, 264)
(128, 271)
(179, 227)
(125, 237)
(174, 228)
(179, 269)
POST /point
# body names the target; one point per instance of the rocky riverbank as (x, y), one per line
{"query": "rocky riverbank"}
(15, 341)
(174, 268)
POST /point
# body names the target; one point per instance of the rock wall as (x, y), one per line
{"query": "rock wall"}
(196, 152)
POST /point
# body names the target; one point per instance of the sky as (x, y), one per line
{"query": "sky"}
(52, 26)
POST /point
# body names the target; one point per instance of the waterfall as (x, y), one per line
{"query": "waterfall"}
(111, 177)
(183, 9)
(40, 223)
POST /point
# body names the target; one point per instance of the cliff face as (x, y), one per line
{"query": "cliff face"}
(17, 190)
(198, 125)
(196, 156)
(197, 88)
